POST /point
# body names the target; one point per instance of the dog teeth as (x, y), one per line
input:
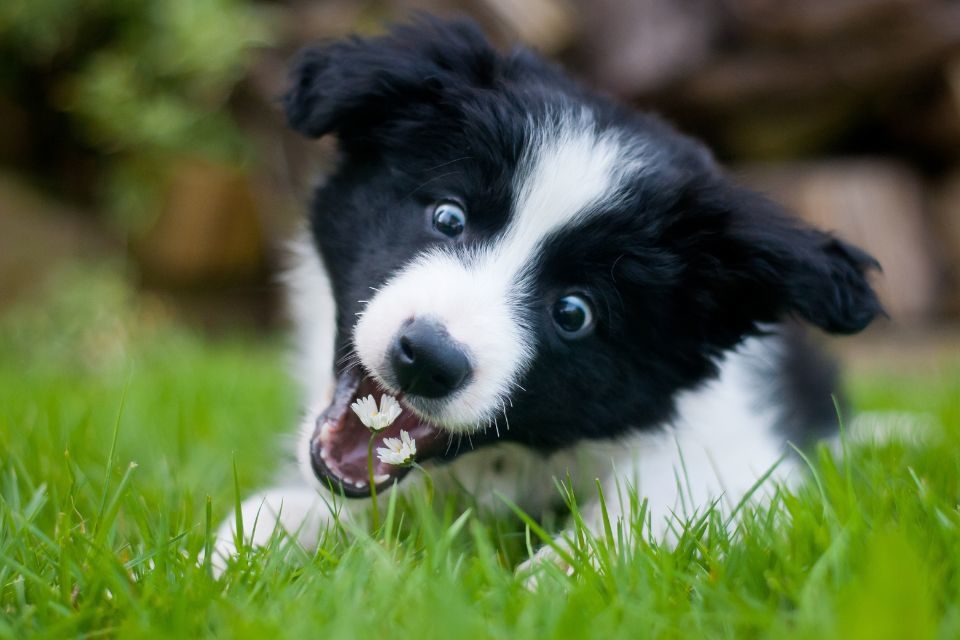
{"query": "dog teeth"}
(360, 484)
(383, 477)
(326, 432)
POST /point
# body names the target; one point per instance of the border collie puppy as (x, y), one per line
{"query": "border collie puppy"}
(551, 284)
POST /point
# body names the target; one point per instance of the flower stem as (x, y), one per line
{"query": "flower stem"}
(429, 481)
(373, 485)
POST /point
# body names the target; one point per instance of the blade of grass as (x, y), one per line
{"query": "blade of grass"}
(98, 523)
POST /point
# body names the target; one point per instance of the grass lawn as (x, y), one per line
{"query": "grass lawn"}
(99, 545)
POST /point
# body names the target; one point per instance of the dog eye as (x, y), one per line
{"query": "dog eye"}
(449, 219)
(573, 316)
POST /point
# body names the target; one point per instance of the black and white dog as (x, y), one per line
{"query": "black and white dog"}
(552, 284)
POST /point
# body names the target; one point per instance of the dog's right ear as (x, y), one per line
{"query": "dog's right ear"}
(351, 86)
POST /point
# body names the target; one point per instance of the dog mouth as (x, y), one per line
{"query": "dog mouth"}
(340, 442)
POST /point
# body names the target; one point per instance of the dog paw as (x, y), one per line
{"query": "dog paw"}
(224, 547)
(221, 552)
(297, 514)
(531, 570)
(259, 524)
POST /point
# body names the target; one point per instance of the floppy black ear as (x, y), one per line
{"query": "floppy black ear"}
(769, 264)
(832, 290)
(361, 82)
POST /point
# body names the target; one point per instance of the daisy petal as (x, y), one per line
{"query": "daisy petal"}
(373, 418)
(398, 451)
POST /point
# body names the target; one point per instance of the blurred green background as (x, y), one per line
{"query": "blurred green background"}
(142, 141)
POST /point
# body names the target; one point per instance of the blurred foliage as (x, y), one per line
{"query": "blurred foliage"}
(84, 319)
(141, 82)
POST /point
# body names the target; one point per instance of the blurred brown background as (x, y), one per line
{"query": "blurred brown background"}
(148, 134)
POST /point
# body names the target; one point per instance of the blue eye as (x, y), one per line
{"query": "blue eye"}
(449, 219)
(573, 316)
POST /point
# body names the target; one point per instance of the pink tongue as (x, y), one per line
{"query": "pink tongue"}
(351, 462)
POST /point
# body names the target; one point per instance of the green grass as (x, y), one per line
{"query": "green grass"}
(93, 546)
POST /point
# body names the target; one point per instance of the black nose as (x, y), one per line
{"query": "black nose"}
(426, 361)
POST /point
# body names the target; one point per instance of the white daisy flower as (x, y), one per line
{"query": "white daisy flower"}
(398, 451)
(377, 419)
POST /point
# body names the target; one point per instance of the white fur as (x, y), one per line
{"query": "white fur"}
(311, 308)
(722, 441)
(568, 172)
(475, 312)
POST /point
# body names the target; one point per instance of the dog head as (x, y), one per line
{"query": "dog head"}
(519, 259)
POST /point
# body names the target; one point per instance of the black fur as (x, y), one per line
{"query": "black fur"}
(683, 269)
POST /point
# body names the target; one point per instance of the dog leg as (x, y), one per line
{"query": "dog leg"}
(302, 513)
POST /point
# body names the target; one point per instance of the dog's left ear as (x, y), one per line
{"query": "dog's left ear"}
(765, 264)
(353, 85)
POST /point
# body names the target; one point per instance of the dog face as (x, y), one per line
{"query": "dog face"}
(518, 259)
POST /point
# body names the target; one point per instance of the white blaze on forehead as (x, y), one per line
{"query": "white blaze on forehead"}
(568, 171)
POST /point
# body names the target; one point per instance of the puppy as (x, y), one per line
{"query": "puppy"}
(553, 285)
